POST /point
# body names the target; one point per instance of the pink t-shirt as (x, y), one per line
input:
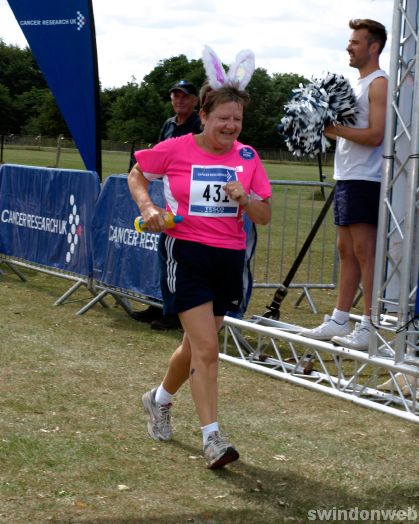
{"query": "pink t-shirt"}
(193, 187)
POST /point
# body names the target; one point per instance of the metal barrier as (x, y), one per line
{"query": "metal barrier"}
(296, 206)
(276, 349)
(45, 217)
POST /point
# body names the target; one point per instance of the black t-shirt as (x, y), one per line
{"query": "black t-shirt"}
(171, 129)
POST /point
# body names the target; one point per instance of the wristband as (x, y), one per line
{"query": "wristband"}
(247, 201)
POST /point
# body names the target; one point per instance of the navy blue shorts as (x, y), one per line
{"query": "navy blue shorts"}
(356, 202)
(192, 274)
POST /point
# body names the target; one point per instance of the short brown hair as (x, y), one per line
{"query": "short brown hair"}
(376, 31)
(210, 98)
(203, 92)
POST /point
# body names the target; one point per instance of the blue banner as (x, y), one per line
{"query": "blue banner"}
(61, 36)
(46, 216)
(122, 257)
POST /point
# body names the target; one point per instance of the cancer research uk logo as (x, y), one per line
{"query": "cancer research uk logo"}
(71, 228)
(75, 229)
(79, 21)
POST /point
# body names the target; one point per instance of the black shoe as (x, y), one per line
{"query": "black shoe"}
(166, 323)
(150, 314)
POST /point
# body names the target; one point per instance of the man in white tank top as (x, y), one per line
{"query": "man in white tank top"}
(357, 170)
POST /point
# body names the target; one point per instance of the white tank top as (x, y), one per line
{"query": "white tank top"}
(355, 161)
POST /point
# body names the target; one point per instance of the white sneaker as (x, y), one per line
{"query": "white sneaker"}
(329, 329)
(159, 427)
(358, 339)
(218, 451)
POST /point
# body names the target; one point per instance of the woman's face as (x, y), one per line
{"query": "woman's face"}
(223, 125)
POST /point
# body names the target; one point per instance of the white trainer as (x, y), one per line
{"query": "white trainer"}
(218, 451)
(358, 339)
(329, 329)
(159, 427)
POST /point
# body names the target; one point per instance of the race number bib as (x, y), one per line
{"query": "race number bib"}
(207, 196)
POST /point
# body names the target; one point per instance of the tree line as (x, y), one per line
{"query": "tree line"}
(135, 111)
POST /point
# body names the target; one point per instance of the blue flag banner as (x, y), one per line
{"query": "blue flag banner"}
(61, 36)
(46, 216)
(122, 257)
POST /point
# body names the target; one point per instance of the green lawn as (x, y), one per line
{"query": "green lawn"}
(73, 441)
(116, 162)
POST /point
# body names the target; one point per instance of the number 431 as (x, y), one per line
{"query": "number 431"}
(216, 195)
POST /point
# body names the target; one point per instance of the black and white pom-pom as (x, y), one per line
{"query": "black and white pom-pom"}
(322, 102)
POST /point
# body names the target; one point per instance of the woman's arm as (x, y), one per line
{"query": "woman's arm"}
(259, 211)
(138, 186)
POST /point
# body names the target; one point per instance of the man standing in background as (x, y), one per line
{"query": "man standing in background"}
(184, 98)
(357, 170)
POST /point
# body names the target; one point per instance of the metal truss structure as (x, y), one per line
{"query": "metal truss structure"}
(397, 258)
(387, 377)
(274, 348)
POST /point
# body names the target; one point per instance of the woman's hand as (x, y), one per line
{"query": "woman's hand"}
(151, 214)
(236, 192)
(152, 218)
(259, 211)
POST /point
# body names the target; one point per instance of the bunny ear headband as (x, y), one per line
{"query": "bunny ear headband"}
(239, 73)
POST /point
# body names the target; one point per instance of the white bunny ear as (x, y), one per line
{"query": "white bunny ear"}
(242, 70)
(214, 68)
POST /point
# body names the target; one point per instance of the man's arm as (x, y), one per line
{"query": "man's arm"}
(372, 135)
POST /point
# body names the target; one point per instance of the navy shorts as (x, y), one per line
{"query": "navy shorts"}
(356, 202)
(193, 274)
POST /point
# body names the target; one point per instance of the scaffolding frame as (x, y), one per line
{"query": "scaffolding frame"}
(387, 377)
(396, 268)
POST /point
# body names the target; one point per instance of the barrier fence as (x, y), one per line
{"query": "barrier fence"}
(61, 222)
(296, 207)
(124, 261)
(45, 221)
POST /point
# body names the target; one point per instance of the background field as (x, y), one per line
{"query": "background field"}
(116, 162)
(73, 443)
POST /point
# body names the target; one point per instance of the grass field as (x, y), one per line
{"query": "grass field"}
(74, 446)
(116, 162)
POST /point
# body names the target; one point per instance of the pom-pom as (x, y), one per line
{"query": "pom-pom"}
(320, 103)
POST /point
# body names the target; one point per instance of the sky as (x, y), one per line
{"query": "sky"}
(306, 37)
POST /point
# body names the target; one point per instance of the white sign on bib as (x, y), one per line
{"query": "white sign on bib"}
(207, 196)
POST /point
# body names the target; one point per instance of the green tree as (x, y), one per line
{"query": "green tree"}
(256, 127)
(107, 99)
(18, 75)
(48, 121)
(268, 95)
(19, 71)
(133, 112)
(169, 71)
(137, 114)
(282, 86)
(8, 123)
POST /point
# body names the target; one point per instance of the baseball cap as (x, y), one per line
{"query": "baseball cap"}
(186, 87)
